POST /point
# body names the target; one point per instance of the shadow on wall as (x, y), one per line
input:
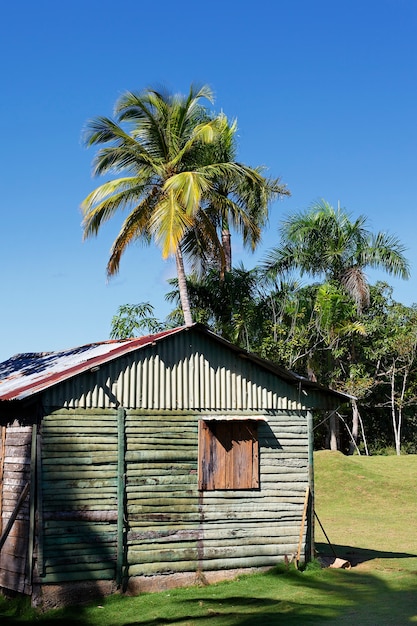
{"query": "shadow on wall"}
(62, 545)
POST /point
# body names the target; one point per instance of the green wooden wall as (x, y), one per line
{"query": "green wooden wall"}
(168, 525)
(78, 517)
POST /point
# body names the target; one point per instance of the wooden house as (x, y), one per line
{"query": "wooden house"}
(145, 463)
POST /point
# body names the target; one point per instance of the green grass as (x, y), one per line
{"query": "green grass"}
(368, 508)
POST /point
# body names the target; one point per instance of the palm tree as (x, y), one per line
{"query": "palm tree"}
(167, 175)
(325, 241)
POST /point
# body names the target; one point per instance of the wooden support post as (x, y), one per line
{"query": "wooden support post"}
(32, 502)
(310, 548)
(2, 457)
(40, 560)
(120, 494)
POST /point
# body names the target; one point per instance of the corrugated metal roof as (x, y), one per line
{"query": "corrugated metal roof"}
(28, 373)
(24, 375)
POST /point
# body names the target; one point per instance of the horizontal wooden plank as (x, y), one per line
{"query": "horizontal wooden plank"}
(161, 469)
(92, 483)
(172, 489)
(17, 455)
(151, 433)
(81, 473)
(18, 439)
(72, 448)
(13, 563)
(80, 414)
(53, 576)
(61, 490)
(148, 569)
(147, 447)
(79, 440)
(69, 561)
(217, 533)
(9, 580)
(74, 427)
(165, 481)
(79, 526)
(93, 515)
(96, 544)
(79, 458)
(82, 568)
(162, 455)
(19, 430)
(181, 552)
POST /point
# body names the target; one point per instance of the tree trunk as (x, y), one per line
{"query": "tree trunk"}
(227, 247)
(355, 427)
(182, 286)
(334, 432)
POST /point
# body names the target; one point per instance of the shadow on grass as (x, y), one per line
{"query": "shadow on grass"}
(282, 595)
(17, 610)
(356, 556)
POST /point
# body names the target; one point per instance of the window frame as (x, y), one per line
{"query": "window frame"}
(228, 453)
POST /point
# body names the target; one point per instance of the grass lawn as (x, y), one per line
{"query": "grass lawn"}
(368, 508)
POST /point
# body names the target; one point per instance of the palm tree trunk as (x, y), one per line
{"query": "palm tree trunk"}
(182, 286)
(227, 247)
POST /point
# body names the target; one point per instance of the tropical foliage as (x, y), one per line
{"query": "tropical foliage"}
(324, 242)
(173, 168)
(176, 178)
(349, 335)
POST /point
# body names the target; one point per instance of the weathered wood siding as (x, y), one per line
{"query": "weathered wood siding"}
(171, 526)
(78, 520)
(174, 527)
(15, 463)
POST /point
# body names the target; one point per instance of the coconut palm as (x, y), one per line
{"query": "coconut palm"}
(326, 242)
(167, 175)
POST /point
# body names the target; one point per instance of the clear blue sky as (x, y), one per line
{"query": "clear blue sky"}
(324, 91)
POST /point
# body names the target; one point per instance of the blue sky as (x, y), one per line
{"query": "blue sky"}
(324, 91)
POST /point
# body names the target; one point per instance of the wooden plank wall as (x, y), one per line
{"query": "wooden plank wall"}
(79, 492)
(15, 455)
(163, 508)
(176, 528)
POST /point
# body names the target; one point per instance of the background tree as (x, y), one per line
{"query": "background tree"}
(324, 242)
(228, 304)
(389, 354)
(170, 180)
(133, 319)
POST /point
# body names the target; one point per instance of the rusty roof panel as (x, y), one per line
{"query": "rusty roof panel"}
(25, 374)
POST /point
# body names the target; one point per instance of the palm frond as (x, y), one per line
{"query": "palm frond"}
(168, 223)
(134, 228)
(106, 200)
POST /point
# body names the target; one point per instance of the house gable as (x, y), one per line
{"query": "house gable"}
(188, 370)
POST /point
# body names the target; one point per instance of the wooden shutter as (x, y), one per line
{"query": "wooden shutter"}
(228, 455)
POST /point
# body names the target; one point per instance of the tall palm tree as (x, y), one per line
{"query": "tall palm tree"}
(167, 175)
(326, 242)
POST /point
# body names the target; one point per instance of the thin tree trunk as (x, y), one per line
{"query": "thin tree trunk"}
(396, 422)
(227, 247)
(352, 440)
(353, 445)
(363, 435)
(334, 432)
(182, 286)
